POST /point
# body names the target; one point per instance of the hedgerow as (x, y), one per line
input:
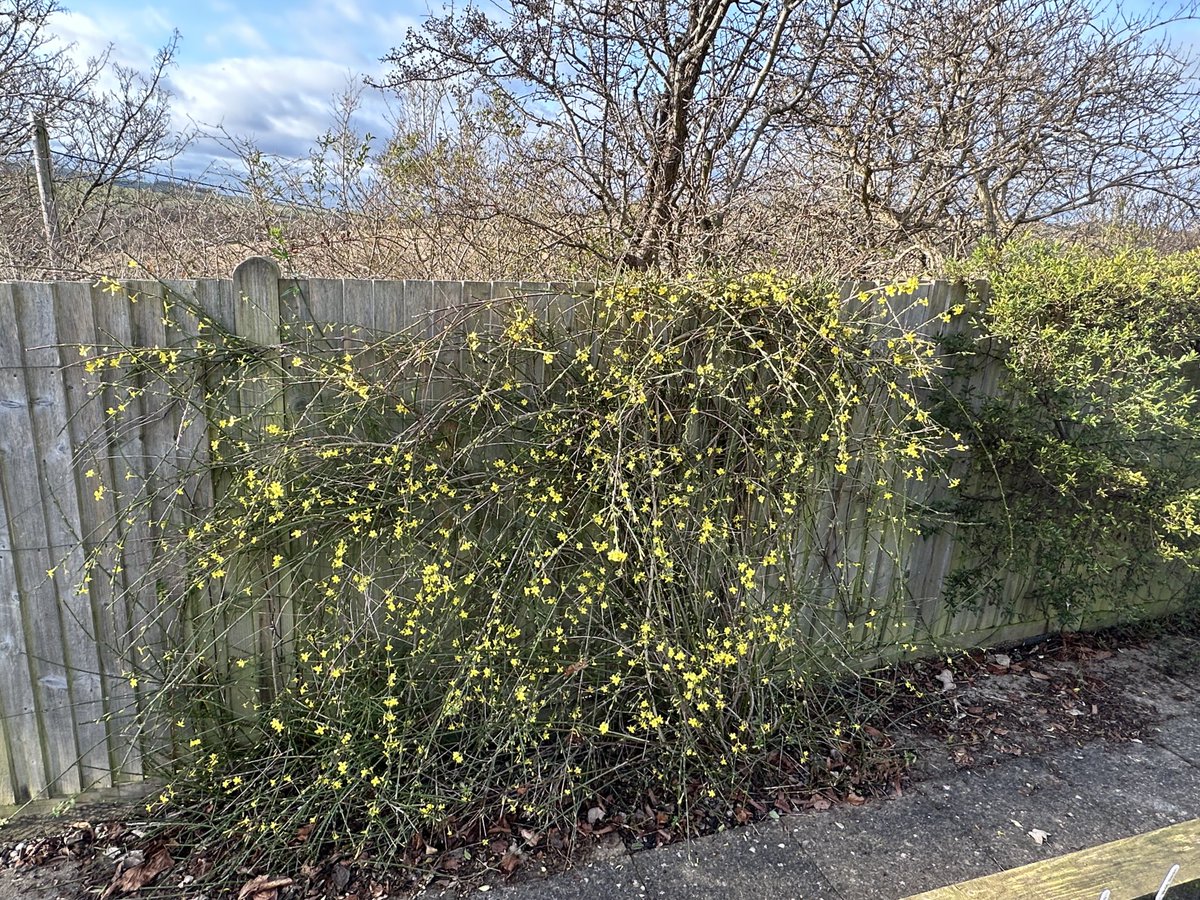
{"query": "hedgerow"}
(1086, 465)
(566, 550)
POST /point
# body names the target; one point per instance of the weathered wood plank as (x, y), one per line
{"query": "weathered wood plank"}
(190, 468)
(321, 304)
(215, 302)
(391, 317)
(123, 473)
(61, 509)
(20, 478)
(97, 513)
(22, 766)
(1130, 869)
(159, 413)
(358, 310)
(264, 632)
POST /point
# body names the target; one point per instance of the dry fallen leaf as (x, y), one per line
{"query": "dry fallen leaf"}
(510, 861)
(262, 887)
(132, 880)
(575, 667)
(340, 877)
(1039, 836)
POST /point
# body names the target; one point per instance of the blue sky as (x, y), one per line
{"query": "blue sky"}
(262, 69)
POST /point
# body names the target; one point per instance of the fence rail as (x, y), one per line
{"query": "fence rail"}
(64, 701)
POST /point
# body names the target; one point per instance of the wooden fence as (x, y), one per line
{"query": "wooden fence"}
(64, 701)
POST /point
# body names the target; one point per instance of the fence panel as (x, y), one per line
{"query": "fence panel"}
(66, 703)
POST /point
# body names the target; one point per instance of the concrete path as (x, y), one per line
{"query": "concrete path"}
(946, 830)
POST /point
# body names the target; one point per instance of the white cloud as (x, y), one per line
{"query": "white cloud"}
(281, 102)
(257, 70)
(238, 35)
(349, 10)
(90, 37)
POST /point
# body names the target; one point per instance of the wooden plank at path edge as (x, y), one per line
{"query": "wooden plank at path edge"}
(1130, 868)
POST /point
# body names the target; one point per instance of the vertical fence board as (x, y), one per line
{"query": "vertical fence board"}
(390, 317)
(298, 333)
(325, 306)
(477, 298)
(24, 762)
(446, 321)
(18, 723)
(99, 537)
(189, 465)
(61, 514)
(213, 300)
(263, 632)
(45, 646)
(358, 309)
(418, 299)
(159, 415)
(121, 468)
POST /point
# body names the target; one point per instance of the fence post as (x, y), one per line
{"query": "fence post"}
(45, 182)
(262, 629)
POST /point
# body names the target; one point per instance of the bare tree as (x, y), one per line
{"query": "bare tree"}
(658, 113)
(36, 76)
(103, 136)
(914, 123)
(950, 119)
(112, 135)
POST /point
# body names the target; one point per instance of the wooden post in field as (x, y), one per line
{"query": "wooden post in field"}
(45, 182)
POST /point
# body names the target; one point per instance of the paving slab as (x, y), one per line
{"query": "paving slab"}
(594, 880)
(1142, 675)
(927, 756)
(1027, 810)
(1147, 785)
(891, 848)
(1181, 736)
(754, 862)
(1141, 867)
(54, 881)
(1178, 656)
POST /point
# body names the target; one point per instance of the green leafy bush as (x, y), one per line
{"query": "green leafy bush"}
(1087, 480)
(576, 548)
